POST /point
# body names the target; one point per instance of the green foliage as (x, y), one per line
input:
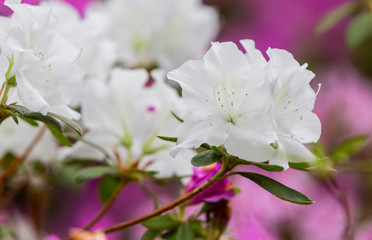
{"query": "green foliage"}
(169, 139)
(348, 148)
(334, 17)
(51, 120)
(95, 172)
(177, 117)
(107, 187)
(72, 124)
(205, 158)
(150, 235)
(161, 223)
(185, 232)
(281, 191)
(59, 136)
(359, 30)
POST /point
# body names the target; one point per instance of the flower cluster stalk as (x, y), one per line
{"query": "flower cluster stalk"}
(224, 169)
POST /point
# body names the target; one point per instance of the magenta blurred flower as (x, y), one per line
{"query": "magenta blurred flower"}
(80, 5)
(344, 105)
(5, 11)
(52, 237)
(220, 190)
(257, 215)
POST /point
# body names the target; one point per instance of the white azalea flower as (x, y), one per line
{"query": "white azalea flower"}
(164, 33)
(124, 115)
(90, 34)
(43, 60)
(245, 103)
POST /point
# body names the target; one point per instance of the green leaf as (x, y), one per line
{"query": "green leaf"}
(59, 136)
(304, 166)
(281, 191)
(359, 29)
(264, 166)
(45, 119)
(185, 232)
(160, 223)
(107, 187)
(72, 124)
(205, 158)
(169, 139)
(347, 148)
(150, 235)
(334, 17)
(177, 117)
(95, 172)
(14, 116)
(30, 121)
(198, 229)
(218, 151)
(19, 109)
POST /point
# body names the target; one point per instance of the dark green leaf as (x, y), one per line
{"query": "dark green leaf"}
(107, 187)
(205, 158)
(160, 223)
(45, 119)
(359, 30)
(95, 172)
(185, 232)
(281, 191)
(334, 17)
(169, 139)
(177, 117)
(19, 109)
(349, 147)
(30, 121)
(59, 136)
(218, 151)
(68, 122)
(150, 235)
(198, 229)
(13, 116)
(304, 166)
(265, 166)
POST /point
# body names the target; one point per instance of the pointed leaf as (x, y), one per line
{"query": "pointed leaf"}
(107, 187)
(71, 123)
(347, 148)
(177, 117)
(334, 17)
(150, 235)
(14, 116)
(95, 172)
(281, 191)
(218, 151)
(45, 119)
(359, 30)
(264, 166)
(169, 139)
(19, 109)
(59, 136)
(205, 158)
(185, 232)
(304, 166)
(160, 223)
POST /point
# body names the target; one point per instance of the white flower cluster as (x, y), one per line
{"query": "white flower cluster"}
(56, 61)
(259, 110)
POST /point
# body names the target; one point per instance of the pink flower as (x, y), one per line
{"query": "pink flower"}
(5, 11)
(222, 189)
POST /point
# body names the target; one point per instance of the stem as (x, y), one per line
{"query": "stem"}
(6, 90)
(170, 206)
(349, 229)
(107, 205)
(19, 159)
